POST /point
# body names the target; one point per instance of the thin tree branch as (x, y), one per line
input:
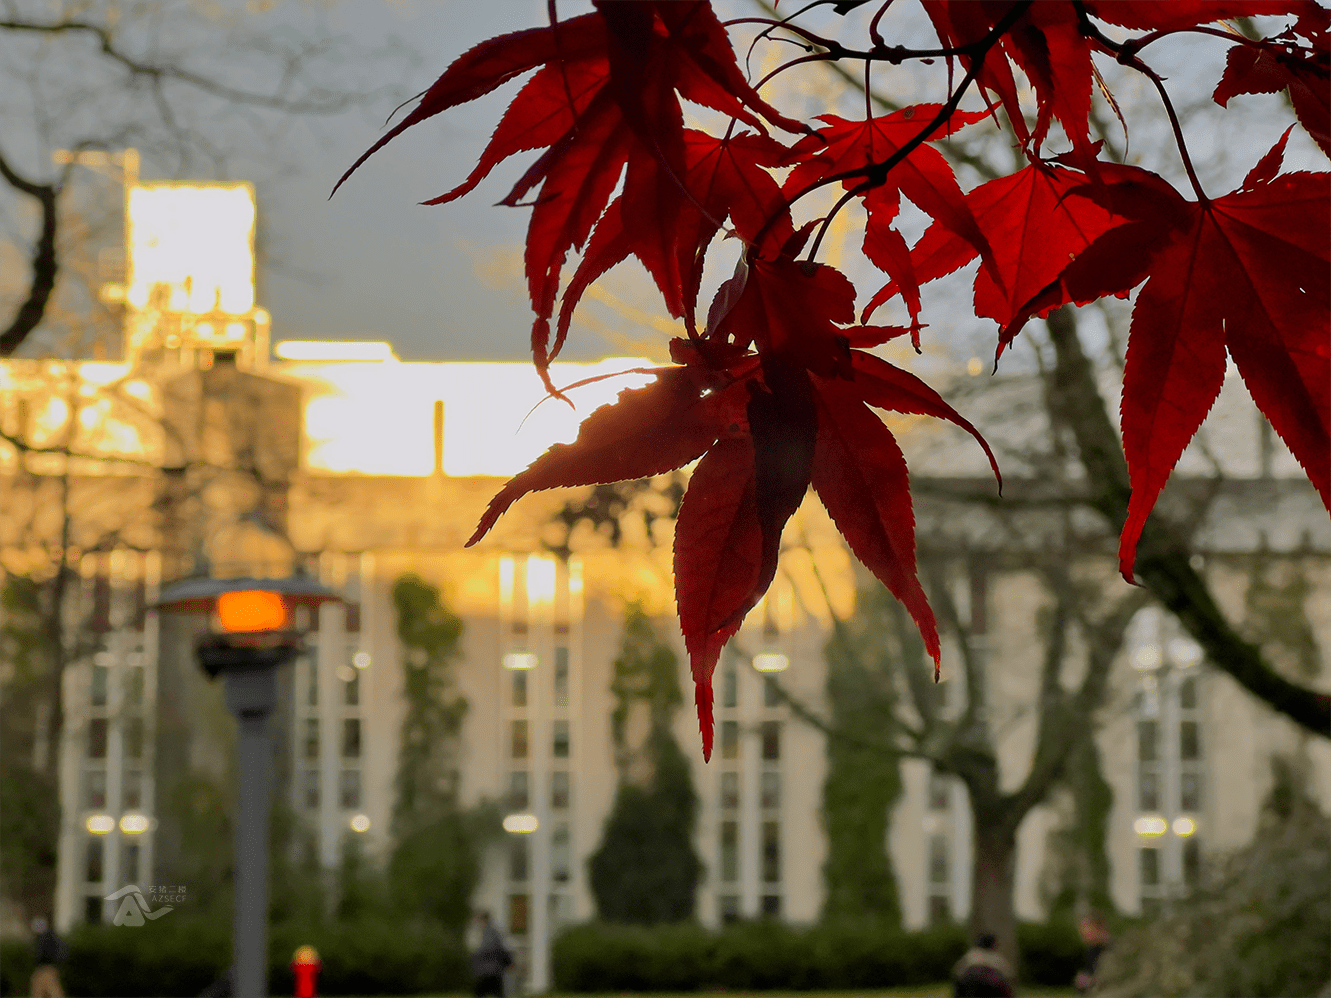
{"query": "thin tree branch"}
(1164, 564)
(45, 265)
(108, 46)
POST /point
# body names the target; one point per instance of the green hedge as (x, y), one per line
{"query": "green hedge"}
(375, 957)
(15, 966)
(183, 956)
(598, 957)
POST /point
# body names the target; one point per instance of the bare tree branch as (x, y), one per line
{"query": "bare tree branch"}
(45, 266)
(106, 42)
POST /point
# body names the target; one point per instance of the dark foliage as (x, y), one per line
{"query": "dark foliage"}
(645, 870)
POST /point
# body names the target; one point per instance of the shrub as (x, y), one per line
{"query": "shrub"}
(599, 957)
(1051, 952)
(759, 956)
(16, 966)
(167, 957)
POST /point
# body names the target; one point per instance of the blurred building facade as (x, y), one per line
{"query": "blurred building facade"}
(201, 450)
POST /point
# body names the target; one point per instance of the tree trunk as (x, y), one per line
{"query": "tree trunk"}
(992, 880)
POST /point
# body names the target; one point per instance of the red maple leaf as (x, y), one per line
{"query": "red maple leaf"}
(853, 148)
(722, 177)
(767, 425)
(1282, 63)
(1246, 273)
(1040, 231)
(1047, 43)
(605, 105)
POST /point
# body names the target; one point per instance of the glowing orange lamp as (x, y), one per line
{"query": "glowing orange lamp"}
(252, 610)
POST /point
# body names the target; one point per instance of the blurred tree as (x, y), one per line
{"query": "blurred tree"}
(435, 863)
(645, 869)
(29, 803)
(863, 781)
(1258, 924)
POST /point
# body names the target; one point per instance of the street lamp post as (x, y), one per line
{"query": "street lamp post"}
(255, 636)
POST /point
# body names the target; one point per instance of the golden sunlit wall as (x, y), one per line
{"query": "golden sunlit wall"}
(392, 418)
(197, 241)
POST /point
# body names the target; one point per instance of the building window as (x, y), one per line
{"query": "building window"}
(730, 790)
(729, 739)
(311, 788)
(728, 906)
(131, 789)
(350, 788)
(940, 792)
(1148, 791)
(1190, 791)
(560, 854)
(940, 909)
(771, 852)
(729, 686)
(99, 685)
(561, 676)
(519, 687)
(729, 851)
(351, 689)
(1189, 741)
(559, 789)
(518, 740)
(517, 914)
(92, 910)
(351, 738)
(134, 738)
(1192, 861)
(1150, 867)
(97, 738)
(129, 863)
(771, 694)
(770, 791)
(771, 906)
(94, 870)
(100, 621)
(519, 790)
(519, 866)
(311, 682)
(560, 747)
(1148, 749)
(938, 859)
(561, 910)
(94, 783)
(134, 687)
(1187, 693)
(771, 739)
(311, 738)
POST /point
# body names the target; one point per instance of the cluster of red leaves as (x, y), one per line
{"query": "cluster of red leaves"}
(777, 391)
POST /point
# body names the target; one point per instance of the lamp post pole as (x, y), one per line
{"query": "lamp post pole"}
(251, 695)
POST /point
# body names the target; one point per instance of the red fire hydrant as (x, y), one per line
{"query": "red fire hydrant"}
(306, 966)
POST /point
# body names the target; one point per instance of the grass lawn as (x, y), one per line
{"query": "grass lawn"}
(943, 989)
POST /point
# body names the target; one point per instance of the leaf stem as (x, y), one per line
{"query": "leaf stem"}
(875, 174)
(1126, 55)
